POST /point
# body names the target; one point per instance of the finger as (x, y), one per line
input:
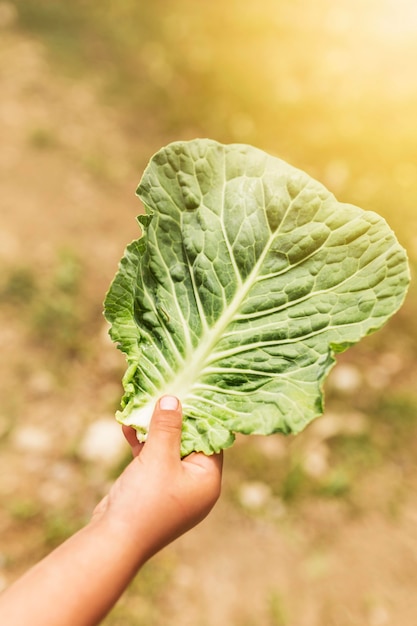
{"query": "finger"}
(212, 463)
(132, 440)
(165, 427)
(130, 435)
(208, 472)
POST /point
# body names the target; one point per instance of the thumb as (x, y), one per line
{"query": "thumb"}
(164, 435)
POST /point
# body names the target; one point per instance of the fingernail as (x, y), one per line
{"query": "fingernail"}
(168, 403)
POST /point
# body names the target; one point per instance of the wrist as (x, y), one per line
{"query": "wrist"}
(119, 539)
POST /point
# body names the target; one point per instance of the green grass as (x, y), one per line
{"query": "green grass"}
(50, 305)
(59, 526)
(19, 286)
(143, 603)
(42, 138)
(277, 611)
(389, 437)
(23, 510)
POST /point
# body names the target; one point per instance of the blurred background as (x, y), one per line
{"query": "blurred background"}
(310, 531)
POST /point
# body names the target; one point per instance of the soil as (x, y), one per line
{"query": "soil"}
(67, 184)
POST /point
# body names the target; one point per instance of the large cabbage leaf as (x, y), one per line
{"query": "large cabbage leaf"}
(248, 278)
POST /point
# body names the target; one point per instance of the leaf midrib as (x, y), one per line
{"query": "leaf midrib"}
(199, 357)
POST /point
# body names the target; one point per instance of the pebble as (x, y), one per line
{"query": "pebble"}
(333, 424)
(32, 440)
(103, 442)
(315, 462)
(254, 495)
(379, 375)
(41, 383)
(273, 447)
(379, 616)
(345, 378)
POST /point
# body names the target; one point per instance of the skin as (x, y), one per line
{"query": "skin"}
(155, 500)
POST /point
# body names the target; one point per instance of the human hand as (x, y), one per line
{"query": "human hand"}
(159, 496)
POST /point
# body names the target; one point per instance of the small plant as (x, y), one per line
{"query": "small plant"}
(42, 139)
(55, 314)
(19, 288)
(23, 510)
(277, 610)
(58, 527)
(51, 305)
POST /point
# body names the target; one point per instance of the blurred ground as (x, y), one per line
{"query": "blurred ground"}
(315, 530)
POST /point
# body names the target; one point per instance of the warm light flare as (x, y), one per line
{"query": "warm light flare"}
(396, 19)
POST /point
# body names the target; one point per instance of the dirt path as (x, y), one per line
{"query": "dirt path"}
(66, 184)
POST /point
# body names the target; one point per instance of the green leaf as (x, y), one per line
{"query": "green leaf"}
(248, 278)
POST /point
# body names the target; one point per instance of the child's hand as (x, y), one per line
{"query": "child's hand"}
(159, 496)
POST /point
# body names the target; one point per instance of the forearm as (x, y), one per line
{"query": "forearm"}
(157, 498)
(78, 583)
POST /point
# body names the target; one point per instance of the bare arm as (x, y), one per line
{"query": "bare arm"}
(156, 499)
